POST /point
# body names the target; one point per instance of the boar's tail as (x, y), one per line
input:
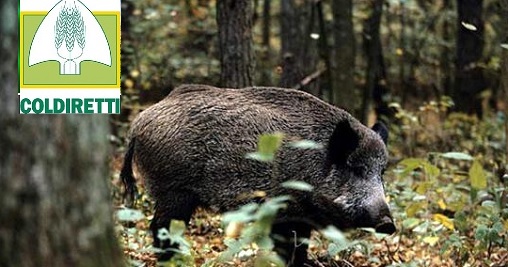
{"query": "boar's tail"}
(131, 191)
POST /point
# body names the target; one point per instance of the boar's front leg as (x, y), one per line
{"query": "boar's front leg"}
(171, 206)
(287, 238)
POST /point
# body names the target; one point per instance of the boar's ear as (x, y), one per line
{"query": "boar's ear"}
(342, 143)
(381, 129)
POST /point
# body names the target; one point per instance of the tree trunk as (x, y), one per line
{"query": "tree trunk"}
(469, 79)
(344, 94)
(375, 64)
(127, 57)
(446, 61)
(53, 174)
(234, 20)
(266, 77)
(504, 72)
(402, 51)
(299, 53)
(325, 54)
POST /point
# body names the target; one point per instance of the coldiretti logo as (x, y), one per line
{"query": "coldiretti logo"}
(69, 54)
(70, 105)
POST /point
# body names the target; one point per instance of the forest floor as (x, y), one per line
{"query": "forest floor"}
(206, 235)
(445, 216)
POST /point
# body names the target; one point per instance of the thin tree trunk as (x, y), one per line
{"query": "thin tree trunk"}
(373, 48)
(504, 71)
(402, 47)
(127, 56)
(234, 20)
(53, 174)
(266, 78)
(469, 79)
(255, 12)
(266, 23)
(505, 85)
(188, 7)
(290, 44)
(446, 62)
(344, 94)
(324, 53)
(298, 50)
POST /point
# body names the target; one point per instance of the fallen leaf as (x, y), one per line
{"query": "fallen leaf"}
(445, 221)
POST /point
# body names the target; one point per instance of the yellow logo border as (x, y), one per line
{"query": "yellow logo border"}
(70, 86)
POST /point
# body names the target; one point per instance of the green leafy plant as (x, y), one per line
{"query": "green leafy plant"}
(257, 220)
(449, 200)
(183, 254)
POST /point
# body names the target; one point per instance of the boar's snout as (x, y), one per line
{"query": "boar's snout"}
(379, 214)
(386, 226)
(383, 222)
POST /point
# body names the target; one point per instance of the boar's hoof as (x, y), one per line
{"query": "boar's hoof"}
(386, 226)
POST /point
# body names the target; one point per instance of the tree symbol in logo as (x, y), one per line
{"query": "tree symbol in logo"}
(70, 27)
(62, 36)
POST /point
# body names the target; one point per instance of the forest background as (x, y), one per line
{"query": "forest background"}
(435, 71)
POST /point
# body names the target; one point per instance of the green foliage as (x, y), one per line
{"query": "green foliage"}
(434, 194)
(343, 245)
(339, 243)
(457, 156)
(175, 235)
(268, 144)
(306, 144)
(298, 185)
(176, 231)
(129, 215)
(477, 176)
(257, 220)
(450, 200)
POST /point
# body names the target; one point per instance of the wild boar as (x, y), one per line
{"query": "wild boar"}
(191, 150)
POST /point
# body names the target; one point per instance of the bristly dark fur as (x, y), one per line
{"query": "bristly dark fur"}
(190, 148)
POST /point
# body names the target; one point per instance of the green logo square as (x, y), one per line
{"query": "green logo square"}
(56, 64)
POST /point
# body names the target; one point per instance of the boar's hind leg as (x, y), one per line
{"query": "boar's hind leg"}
(287, 238)
(172, 206)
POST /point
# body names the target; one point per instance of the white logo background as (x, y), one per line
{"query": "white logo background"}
(95, 48)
